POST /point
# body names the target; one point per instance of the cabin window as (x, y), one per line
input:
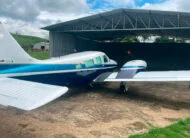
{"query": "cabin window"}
(106, 59)
(89, 63)
(78, 66)
(98, 60)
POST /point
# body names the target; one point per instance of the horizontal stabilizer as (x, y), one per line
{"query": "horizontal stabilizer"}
(28, 95)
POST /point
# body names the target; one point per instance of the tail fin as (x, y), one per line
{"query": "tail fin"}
(10, 50)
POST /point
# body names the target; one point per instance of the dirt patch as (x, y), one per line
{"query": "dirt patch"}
(101, 112)
(64, 136)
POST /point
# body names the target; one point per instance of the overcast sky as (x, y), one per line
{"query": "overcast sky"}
(28, 16)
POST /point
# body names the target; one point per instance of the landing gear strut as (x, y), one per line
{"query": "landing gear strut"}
(123, 87)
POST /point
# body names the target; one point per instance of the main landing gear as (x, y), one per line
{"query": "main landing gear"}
(123, 87)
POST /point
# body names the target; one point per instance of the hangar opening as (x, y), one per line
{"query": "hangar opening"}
(97, 32)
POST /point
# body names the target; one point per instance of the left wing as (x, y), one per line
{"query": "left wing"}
(27, 95)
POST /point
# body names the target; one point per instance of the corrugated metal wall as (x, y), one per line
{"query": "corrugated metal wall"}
(61, 44)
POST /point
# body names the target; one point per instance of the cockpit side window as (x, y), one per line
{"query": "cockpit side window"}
(89, 63)
(106, 59)
(98, 60)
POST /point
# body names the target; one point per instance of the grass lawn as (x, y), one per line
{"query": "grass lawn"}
(178, 130)
(39, 55)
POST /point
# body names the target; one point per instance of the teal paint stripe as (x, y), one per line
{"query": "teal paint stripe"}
(11, 69)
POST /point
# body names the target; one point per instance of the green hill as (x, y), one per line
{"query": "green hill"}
(27, 41)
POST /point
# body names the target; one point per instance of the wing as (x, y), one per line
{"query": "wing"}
(135, 71)
(151, 76)
(27, 95)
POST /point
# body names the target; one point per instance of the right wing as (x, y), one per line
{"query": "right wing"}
(28, 95)
(152, 76)
(135, 71)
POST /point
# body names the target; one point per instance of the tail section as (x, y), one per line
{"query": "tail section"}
(10, 50)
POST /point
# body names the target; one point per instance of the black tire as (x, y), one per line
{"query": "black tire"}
(122, 88)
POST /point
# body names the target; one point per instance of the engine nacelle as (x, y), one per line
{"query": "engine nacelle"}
(131, 68)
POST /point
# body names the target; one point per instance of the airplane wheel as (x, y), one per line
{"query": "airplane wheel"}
(90, 86)
(123, 87)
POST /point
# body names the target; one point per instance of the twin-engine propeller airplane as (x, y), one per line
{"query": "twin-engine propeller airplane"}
(27, 83)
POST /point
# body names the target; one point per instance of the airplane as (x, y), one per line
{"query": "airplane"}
(28, 83)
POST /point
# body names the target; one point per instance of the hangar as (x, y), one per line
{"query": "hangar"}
(92, 32)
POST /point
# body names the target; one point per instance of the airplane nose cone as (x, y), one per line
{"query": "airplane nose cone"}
(113, 62)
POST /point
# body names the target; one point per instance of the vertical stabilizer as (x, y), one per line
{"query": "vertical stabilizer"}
(10, 50)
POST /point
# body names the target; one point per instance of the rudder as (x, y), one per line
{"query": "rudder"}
(10, 50)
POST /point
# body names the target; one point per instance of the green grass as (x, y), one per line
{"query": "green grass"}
(27, 41)
(178, 130)
(39, 55)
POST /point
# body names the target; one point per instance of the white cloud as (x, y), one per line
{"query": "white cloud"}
(63, 5)
(57, 17)
(28, 16)
(19, 9)
(169, 5)
(183, 5)
(30, 9)
(22, 27)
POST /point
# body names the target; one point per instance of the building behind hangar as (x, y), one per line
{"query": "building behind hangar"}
(92, 33)
(41, 46)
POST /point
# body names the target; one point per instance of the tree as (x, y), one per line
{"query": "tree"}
(164, 39)
(180, 41)
(127, 39)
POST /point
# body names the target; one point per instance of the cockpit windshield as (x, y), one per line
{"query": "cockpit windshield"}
(106, 59)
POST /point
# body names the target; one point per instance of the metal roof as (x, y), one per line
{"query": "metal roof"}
(108, 25)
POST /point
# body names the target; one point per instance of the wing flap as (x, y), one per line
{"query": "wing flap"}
(153, 76)
(28, 95)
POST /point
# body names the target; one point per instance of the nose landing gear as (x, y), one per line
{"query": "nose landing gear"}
(123, 87)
